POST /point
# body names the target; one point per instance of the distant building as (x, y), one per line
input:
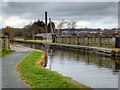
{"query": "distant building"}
(94, 32)
(43, 36)
(79, 31)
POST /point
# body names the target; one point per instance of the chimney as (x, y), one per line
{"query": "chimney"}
(46, 17)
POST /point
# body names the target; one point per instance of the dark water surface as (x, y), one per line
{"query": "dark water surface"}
(96, 71)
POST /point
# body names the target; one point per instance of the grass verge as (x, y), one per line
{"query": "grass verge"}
(38, 41)
(4, 53)
(39, 77)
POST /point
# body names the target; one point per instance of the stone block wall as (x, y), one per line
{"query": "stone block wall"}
(87, 41)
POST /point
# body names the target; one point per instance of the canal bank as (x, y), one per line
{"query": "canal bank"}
(91, 69)
(111, 52)
(37, 76)
(31, 71)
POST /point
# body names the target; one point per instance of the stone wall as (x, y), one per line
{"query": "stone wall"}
(87, 41)
(4, 43)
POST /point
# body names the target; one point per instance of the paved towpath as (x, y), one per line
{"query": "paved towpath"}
(10, 77)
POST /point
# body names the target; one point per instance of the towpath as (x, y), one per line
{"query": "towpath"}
(10, 76)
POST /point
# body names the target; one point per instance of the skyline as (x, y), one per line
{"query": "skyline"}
(86, 14)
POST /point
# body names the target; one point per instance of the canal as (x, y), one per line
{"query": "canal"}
(96, 71)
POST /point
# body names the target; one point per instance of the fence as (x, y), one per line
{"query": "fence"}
(108, 42)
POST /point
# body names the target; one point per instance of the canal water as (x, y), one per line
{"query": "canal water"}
(96, 71)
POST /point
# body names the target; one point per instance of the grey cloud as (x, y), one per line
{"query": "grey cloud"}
(60, 0)
(94, 11)
(61, 8)
(99, 9)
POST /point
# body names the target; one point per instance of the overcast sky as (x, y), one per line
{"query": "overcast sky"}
(86, 14)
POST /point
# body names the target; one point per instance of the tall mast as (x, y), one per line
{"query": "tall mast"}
(51, 26)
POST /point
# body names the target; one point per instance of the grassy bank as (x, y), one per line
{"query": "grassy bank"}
(39, 77)
(37, 41)
(4, 53)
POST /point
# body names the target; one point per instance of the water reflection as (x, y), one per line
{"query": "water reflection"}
(91, 69)
(89, 58)
(51, 53)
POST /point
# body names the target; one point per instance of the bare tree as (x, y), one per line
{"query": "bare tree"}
(60, 25)
(68, 24)
(73, 24)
